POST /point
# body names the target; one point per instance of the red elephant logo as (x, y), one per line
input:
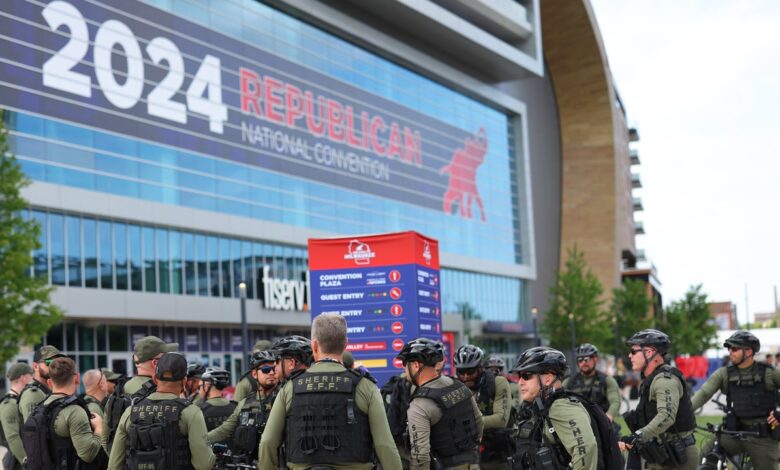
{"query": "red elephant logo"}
(462, 187)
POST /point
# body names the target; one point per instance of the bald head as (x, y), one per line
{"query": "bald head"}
(95, 383)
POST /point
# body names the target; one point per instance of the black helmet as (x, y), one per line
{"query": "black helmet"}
(650, 337)
(587, 350)
(425, 350)
(217, 376)
(261, 357)
(496, 361)
(743, 339)
(468, 356)
(195, 370)
(542, 359)
(293, 346)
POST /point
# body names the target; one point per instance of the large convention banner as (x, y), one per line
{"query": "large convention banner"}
(133, 69)
(385, 286)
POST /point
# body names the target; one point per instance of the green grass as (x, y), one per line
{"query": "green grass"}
(701, 436)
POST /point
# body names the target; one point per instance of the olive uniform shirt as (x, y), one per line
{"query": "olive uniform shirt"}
(367, 399)
(11, 422)
(191, 424)
(94, 406)
(719, 380)
(73, 422)
(501, 405)
(422, 415)
(666, 392)
(571, 422)
(225, 431)
(30, 398)
(613, 392)
(131, 387)
(244, 388)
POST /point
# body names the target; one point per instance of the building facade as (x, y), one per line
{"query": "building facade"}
(178, 148)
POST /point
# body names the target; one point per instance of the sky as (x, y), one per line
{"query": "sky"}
(700, 80)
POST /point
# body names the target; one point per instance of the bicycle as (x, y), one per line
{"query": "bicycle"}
(717, 459)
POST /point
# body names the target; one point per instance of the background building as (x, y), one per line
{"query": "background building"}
(180, 147)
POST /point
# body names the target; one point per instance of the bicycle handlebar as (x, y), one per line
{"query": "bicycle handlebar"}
(718, 430)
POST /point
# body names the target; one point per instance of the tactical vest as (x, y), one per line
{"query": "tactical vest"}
(529, 448)
(35, 386)
(747, 396)
(646, 411)
(119, 401)
(454, 439)
(595, 392)
(8, 397)
(48, 451)
(486, 393)
(215, 415)
(250, 427)
(325, 426)
(154, 441)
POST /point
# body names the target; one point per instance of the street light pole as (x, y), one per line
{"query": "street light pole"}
(244, 326)
(573, 337)
(616, 338)
(534, 314)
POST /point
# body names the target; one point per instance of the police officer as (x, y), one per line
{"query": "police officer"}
(494, 400)
(328, 415)
(19, 374)
(112, 380)
(558, 434)
(95, 390)
(194, 371)
(163, 431)
(247, 385)
(663, 422)
(293, 354)
(146, 352)
(37, 390)
(76, 437)
(596, 386)
(244, 427)
(750, 388)
(443, 418)
(215, 407)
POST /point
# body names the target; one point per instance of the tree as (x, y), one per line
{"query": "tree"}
(629, 310)
(689, 324)
(26, 312)
(576, 291)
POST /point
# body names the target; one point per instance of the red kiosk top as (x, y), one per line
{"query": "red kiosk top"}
(365, 251)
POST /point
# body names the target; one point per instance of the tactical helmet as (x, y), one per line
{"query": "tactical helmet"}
(650, 337)
(424, 350)
(195, 370)
(468, 356)
(542, 359)
(743, 339)
(261, 357)
(587, 350)
(294, 346)
(496, 361)
(217, 376)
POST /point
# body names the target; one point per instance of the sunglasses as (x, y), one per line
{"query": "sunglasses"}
(466, 371)
(583, 359)
(526, 376)
(634, 351)
(735, 349)
(267, 369)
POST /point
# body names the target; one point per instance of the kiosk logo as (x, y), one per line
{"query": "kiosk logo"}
(359, 252)
(427, 252)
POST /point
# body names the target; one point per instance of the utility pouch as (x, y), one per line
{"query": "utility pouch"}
(676, 450)
(654, 452)
(631, 420)
(544, 459)
(730, 421)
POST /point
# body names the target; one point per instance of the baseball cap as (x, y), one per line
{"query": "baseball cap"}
(148, 347)
(46, 352)
(17, 370)
(262, 345)
(110, 375)
(171, 367)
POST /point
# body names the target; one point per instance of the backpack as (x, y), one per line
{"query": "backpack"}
(45, 449)
(396, 395)
(610, 457)
(119, 401)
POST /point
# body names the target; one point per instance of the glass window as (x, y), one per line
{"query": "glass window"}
(136, 257)
(117, 338)
(174, 238)
(55, 336)
(258, 266)
(150, 260)
(70, 337)
(214, 271)
(41, 255)
(202, 264)
(86, 338)
(57, 234)
(163, 260)
(121, 258)
(190, 280)
(90, 252)
(106, 249)
(248, 276)
(102, 338)
(226, 268)
(238, 268)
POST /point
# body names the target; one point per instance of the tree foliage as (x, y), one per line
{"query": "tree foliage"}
(576, 291)
(629, 310)
(26, 312)
(689, 324)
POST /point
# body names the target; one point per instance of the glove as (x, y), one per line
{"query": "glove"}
(632, 439)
